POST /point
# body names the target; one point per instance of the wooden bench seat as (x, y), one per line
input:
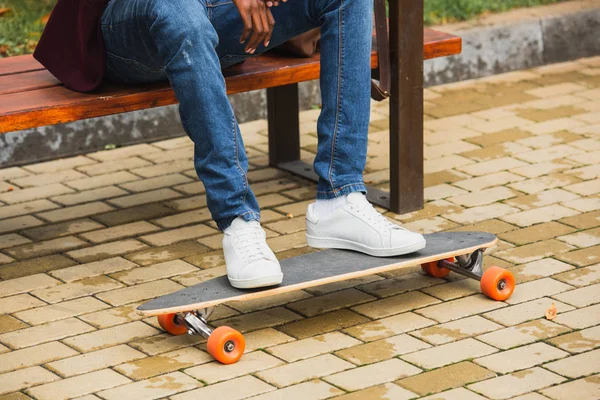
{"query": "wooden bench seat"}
(31, 97)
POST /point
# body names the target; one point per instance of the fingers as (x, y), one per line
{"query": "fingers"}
(257, 34)
(247, 25)
(271, 24)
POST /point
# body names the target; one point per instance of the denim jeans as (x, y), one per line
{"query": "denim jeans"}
(188, 42)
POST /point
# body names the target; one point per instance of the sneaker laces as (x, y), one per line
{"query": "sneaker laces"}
(373, 216)
(251, 243)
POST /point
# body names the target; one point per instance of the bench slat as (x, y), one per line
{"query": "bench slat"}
(37, 99)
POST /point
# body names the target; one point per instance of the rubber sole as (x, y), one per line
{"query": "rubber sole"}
(265, 281)
(332, 243)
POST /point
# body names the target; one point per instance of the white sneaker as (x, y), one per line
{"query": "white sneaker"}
(357, 226)
(250, 261)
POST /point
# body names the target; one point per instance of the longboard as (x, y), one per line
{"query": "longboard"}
(182, 312)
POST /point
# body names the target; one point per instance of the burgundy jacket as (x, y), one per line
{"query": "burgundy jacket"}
(71, 46)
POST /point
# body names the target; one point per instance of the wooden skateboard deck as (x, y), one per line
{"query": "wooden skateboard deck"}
(317, 269)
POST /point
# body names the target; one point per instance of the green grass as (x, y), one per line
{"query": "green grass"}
(21, 29)
(445, 11)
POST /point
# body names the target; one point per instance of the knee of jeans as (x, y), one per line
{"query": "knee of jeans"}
(183, 20)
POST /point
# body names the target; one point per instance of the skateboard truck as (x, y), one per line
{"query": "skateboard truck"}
(225, 344)
(495, 282)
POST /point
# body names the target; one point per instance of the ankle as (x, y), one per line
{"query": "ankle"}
(322, 208)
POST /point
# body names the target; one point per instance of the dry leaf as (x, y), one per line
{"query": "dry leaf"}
(290, 215)
(551, 312)
(4, 11)
(10, 189)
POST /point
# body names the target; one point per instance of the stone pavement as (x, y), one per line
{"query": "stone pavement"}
(84, 240)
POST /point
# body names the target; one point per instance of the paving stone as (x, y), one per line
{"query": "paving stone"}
(487, 181)
(92, 269)
(584, 205)
(448, 353)
(507, 386)
(578, 365)
(19, 223)
(389, 326)
(483, 197)
(449, 377)
(581, 297)
(322, 324)
(93, 361)
(123, 152)
(430, 225)
(11, 240)
(160, 364)
(580, 318)
(265, 338)
(536, 233)
(503, 124)
(455, 394)
(373, 374)
(34, 193)
(89, 195)
(539, 215)
(260, 319)
(26, 208)
(442, 191)
(119, 232)
(454, 290)
(586, 188)
(456, 330)
(112, 316)
(144, 198)
(66, 309)
(79, 385)
(522, 334)
(386, 390)
(530, 396)
(314, 346)
(35, 355)
(457, 121)
(460, 308)
(9, 324)
(536, 289)
(107, 250)
(75, 212)
(24, 378)
(153, 272)
(523, 312)
(45, 333)
(541, 199)
(13, 304)
(442, 163)
(560, 151)
(26, 284)
(45, 248)
(543, 168)
(185, 218)
(108, 167)
(34, 266)
(481, 213)
(81, 288)
(159, 344)
(167, 253)
(431, 209)
(304, 370)
(582, 257)
(581, 389)
(521, 358)
(144, 212)
(395, 305)
(200, 276)
(215, 372)
(110, 336)
(239, 388)
(178, 235)
(581, 276)
(61, 229)
(155, 183)
(139, 292)
(381, 350)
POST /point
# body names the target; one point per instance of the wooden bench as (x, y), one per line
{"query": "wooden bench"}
(31, 97)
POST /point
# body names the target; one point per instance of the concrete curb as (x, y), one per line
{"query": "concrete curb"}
(499, 43)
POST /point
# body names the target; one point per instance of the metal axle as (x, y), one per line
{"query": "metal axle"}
(470, 266)
(195, 322)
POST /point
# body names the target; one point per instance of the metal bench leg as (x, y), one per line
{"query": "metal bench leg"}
(284, 124)
(406, 106)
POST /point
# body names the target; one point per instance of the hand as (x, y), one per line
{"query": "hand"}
(258, 22)
(273, 3)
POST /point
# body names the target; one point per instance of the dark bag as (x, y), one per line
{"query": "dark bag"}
(306, 45)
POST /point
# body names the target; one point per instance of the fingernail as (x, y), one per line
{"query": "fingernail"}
(267, 43)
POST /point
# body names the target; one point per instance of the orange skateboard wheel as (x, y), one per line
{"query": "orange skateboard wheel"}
(497, 283)
(226, 345)
(432, 268)
(167, 322)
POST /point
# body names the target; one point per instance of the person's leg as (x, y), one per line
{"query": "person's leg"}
(152, 40)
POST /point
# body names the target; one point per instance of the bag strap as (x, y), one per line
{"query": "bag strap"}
(382, 91)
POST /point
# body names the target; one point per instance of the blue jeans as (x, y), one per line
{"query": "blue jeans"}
(188, 42)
